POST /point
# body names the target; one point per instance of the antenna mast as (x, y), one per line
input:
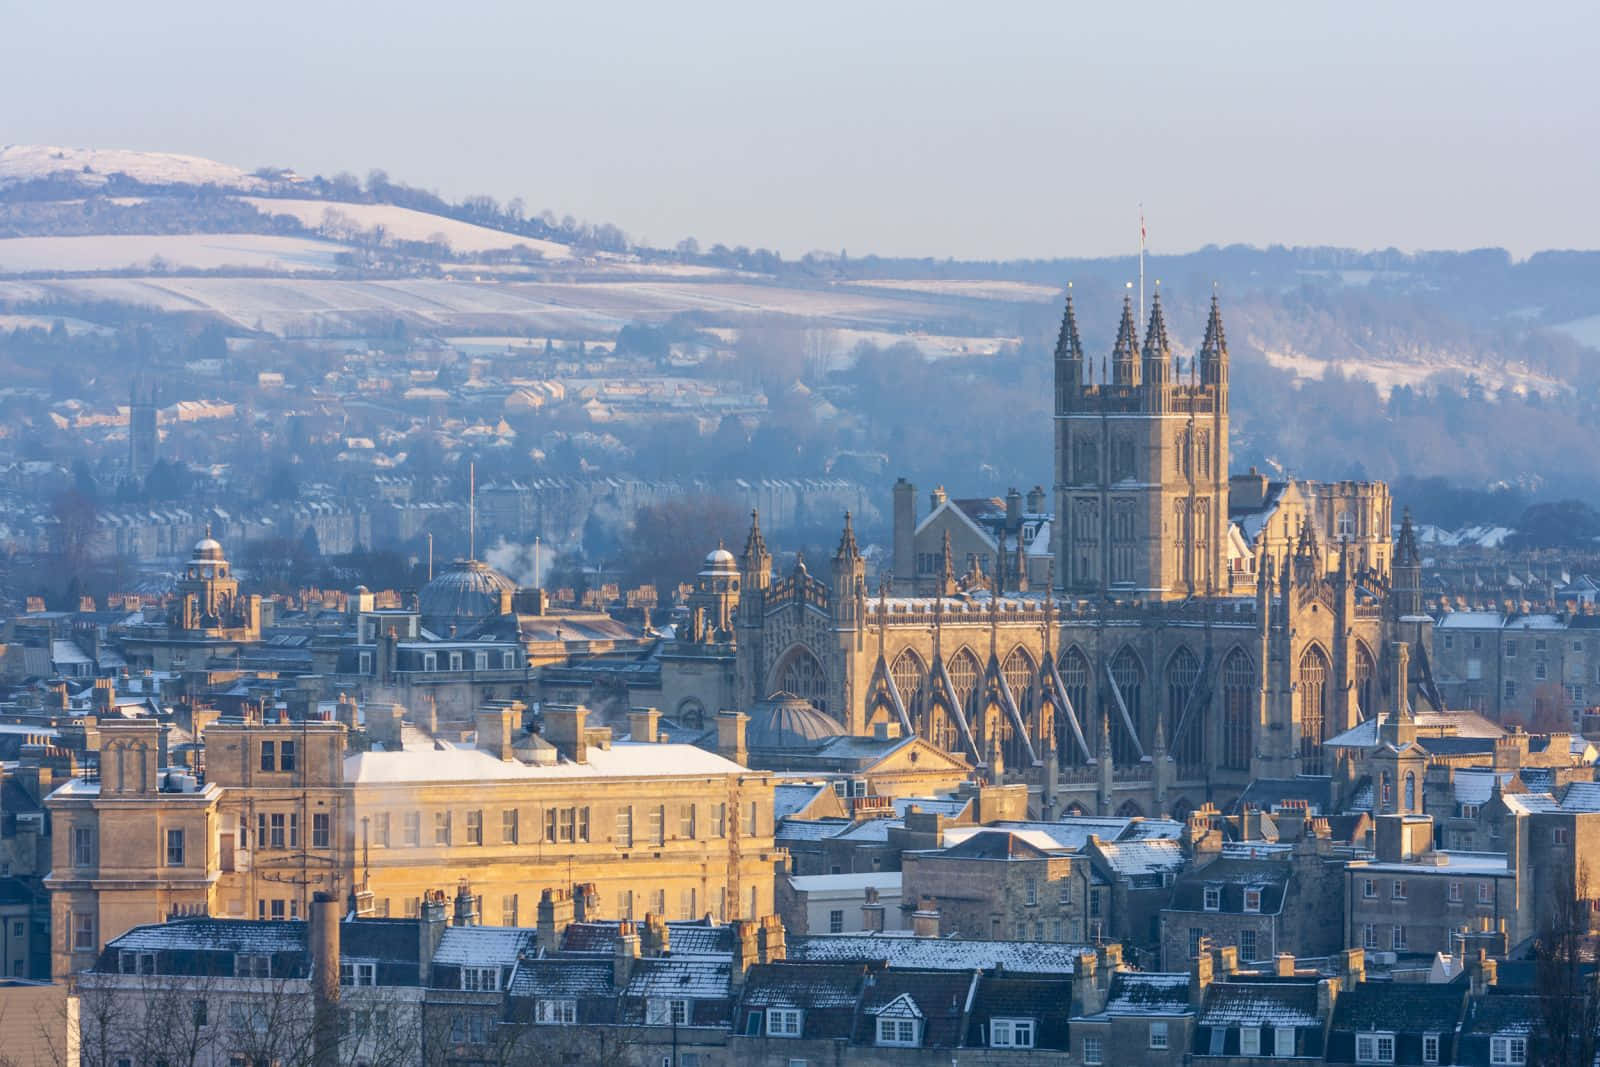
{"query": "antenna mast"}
(472, 510)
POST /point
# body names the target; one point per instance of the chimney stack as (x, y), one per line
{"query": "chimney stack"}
(564, 726)
(1199, 975)
(1283, 964)
(731, 736)
(925, 920)
(497, 726)
(466, 905)
(644, 724)
(872, 912)
(655, 939)
(746, 950)
(430, 931)
(771, 940)
(624, 954)
(325, 980)
(555, 915)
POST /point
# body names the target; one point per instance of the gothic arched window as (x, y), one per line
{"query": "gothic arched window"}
(1411, 792)
(1128, 674)
(802, 675)
(1074, 670)
(1238, 709)
(964, 679)
(1022, 679)
(1313, 679)
(909, 674)
(1366, 672)
(1183, 671)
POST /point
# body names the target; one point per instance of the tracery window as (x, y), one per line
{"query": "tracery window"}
(1128, 674)
(1313, 708)
(909, 674)
(1238, 702)
(803, 676)
(1074, 670)
(1187, 748)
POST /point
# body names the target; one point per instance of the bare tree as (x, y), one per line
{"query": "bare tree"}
(1569, 994)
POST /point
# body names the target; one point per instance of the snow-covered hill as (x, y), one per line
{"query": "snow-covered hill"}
(92, 166)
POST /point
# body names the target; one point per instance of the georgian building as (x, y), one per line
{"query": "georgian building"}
(1146, 647)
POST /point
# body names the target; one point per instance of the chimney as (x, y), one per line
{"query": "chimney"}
(1352, 968)
(655, 939)
(1110, 955)
(1327, 993)
(325, 979)
(564, 728)
(730, 736)
(466, 906)
(497, 726)
(644, 724)
(1085, 988)
(1036, 500)
(430, 930)
(1283, 964)
(555, 915)
(771, 943)
(585, 903)
(925, 920)
(746, 950)
(1225, 961)
(1199, 976)
(872, 912)
(383, 725)
(1484, 973)
(624, 954)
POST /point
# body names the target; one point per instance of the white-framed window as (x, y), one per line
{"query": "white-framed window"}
(480, 979)
(1283, 1042)
(430, 661)
(1511, 649)
(1558, 835)
(508, 909)
(1397, 890)
(836, 921)
(1375, 1047)
(413, 828)
(321, 829)
(1510, 1050)
(658, 824)
(475, 827)
(783, 1022)
(508, 826)
(1541, 671)
(1369, 888)
(252, 965)
(1247, 946)
(625, 826)
(1455, 892)
(508, 660)
(441, 827)
(1252, 899)
(1474, 668)
(1031, 892)
(364, 662)
(1430, 1048)
(1093, 1050)
(83, 846)
(1158, 1035)
(1212, 899)
(1398, 941)
(556, 1012)
(901, 1032)
(666, 1011)
(1249, 1041)
(1010, 1033)
(174, 848)
(480, 661)
(358, 972)
(455, 661)
(1485, 892)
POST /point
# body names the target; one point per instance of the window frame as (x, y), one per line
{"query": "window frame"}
(1254, 1035)
(1373, 1042)
(785, 1022)
(1094, 1050)
(1160, 1035)
(176, 850)
(1012, 1031)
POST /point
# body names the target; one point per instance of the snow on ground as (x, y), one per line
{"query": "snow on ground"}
(200, 251)
(1586, 331)
(45, 322)
(1386, 376)
(1024, 292)
(406, 224)
(91, 166)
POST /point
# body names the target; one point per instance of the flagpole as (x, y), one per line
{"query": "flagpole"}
(1141, 257)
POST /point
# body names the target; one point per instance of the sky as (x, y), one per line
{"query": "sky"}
(997, 130)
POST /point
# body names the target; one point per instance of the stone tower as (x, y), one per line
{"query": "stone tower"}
(1141, 463)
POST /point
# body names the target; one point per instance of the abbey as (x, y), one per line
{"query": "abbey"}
(1165, 635)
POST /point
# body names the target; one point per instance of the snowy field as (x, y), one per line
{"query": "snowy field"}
(91, 166)
(1585, 331)
(74, 327)
(1021, 292)
(1386, 376)
(199, 251)
(402, 223)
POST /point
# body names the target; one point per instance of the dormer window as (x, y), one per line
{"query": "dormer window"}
(556, 1012)
(1252, 898)
(252, 965)
(480, 979)
(783, 1022)
(905, 1033)
(136, 962)
(1212, 898)
(1011, 1033)
(1376, 1047)
(1508, 1049)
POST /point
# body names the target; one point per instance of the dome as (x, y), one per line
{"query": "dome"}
(208, 548)
(784, 720)
(720, 559)
(467, 591)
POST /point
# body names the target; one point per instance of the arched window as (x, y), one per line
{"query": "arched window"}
(803, 676)
(691, 713)
(1129, 810)
(1411, 792)
(1366, 689)
(1022, 678)
(1128, 674)
(1238, 709)
(1183, 671)
(964, 679)
(1074, 671)
(1385, 794)
(1313, 708)
(909, 675)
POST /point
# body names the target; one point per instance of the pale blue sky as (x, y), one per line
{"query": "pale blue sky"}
(973, 130)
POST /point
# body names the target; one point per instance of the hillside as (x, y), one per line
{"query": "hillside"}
(1470, 365)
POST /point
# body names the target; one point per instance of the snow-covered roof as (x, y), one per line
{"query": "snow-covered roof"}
(483, 946)
(448, 761)
(697, 978)
(1149, 993)
(1133, 859)
(902, 951)
(1264, 1004)
(882, 881)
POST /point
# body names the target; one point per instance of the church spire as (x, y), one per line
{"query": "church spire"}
(848, 552)
(1125, 353)
(756, 556)
(1069, 358)
(1405, 546)
(1157, 350)
(1214, 349)
(947, 581)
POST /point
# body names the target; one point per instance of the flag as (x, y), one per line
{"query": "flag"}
(1141, 226)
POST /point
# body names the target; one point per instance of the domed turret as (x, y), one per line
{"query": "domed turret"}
(787, 721)
(468, 592)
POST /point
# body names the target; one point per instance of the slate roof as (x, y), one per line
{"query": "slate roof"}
(1496, 1012)
(1148, 993)
(994, 845)
(1315, 790)
(1406, 1009)
(1144, 863)
(1233, 876)
(694, 937)
(792, 829)
(215, 935)
(940, 996)
(697, 978)
(1265, 1003)
(788, 799)
(826, 995)
(562, 978)
(1047, 1001)
(483, 946)
(1017, 957)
